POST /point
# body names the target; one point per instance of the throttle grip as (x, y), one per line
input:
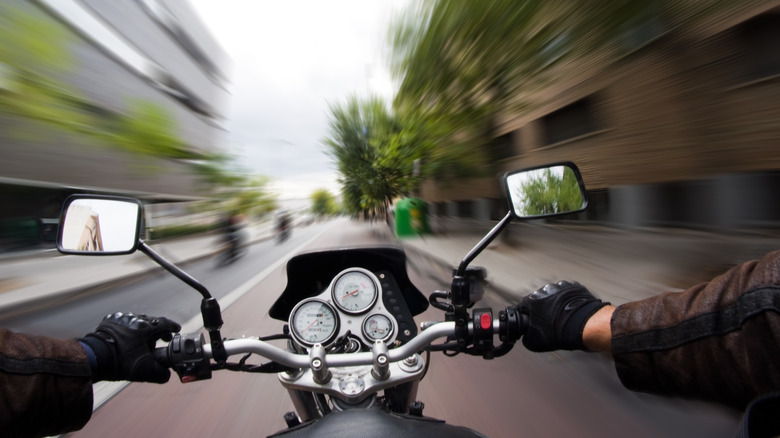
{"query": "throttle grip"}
(160, 354)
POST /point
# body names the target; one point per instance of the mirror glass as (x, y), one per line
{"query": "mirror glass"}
(546, 191)
(100, 226)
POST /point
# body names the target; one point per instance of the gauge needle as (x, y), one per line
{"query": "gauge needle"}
(312, 323)
(351, 293)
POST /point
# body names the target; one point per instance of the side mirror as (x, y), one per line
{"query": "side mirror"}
(545, 191)
(99, 225)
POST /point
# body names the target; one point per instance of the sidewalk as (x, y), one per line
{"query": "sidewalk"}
(33, 280)
(615, 264)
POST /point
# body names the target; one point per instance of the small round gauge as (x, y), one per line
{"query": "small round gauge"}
(314, 322)
(378, 327)
(355, 292)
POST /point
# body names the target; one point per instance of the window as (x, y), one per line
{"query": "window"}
(465, 209)
(760, 39)
(568, 122)
(90, 25)
(502, 148)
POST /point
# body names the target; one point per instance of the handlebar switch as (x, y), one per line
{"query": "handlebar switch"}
(187, 357)
(482, 322)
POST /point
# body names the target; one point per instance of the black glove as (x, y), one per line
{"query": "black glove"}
(122, 345)
(557, 315)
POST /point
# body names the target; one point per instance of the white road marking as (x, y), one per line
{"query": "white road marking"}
(102, 392)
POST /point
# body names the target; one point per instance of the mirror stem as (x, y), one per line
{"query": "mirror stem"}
(483, 243)
(173, 269)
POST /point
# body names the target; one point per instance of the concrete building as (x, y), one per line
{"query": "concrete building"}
(123, 56)
(680, 129)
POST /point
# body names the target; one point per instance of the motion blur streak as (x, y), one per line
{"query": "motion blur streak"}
(669, 108)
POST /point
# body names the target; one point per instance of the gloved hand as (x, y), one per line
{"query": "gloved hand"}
(122, 346)
(557, 315)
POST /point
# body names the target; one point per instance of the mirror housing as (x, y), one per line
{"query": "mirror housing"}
(99, 225)
(545, 191)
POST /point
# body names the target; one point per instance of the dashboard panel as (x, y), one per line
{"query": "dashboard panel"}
(357, 303)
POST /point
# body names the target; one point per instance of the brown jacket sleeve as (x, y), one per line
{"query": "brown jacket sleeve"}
(717, 341)
(45, 386)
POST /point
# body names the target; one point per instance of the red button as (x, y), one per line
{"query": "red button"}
(485, 321)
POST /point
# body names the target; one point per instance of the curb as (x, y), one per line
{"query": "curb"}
(61, 297)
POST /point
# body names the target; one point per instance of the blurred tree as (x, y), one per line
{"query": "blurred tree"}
(148, 129)
(31, 57)
(463, 63)
(249, 196)
(374, 155)
(323, 203)
(220, 170)
(548, 192)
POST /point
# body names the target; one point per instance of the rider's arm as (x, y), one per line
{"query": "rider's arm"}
(45, 385)
(717, 341)
(597, 334)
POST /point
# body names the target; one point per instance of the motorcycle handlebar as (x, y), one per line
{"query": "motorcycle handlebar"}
(188, 353)
(286, 358)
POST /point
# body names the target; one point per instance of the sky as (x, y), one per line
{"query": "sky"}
(288, 61)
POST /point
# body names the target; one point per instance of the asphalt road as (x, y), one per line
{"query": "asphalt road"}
(163, 294)
(521, 394)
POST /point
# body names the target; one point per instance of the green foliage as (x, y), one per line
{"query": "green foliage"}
(323, 203)
(148, 129)
(462, 61)
(548, 193)
(179, 230)
(32, 56)
(464, 64)
(248, 196)
(374, 155)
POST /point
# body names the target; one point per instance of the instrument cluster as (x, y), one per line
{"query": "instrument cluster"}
(351, 304)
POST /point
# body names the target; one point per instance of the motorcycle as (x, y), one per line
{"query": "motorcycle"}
(233, 241)
(283, 227)
(354, 356)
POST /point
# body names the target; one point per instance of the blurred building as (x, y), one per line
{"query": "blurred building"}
(681, 129)
(121, 55)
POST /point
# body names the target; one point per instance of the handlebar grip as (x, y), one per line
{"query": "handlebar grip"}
(161, 355)
(525, 320)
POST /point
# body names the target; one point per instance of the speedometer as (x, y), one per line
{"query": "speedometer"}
(314, 322)
(355, 291)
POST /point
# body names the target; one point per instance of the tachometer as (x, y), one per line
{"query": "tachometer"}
(314, 322)
(355, 291)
